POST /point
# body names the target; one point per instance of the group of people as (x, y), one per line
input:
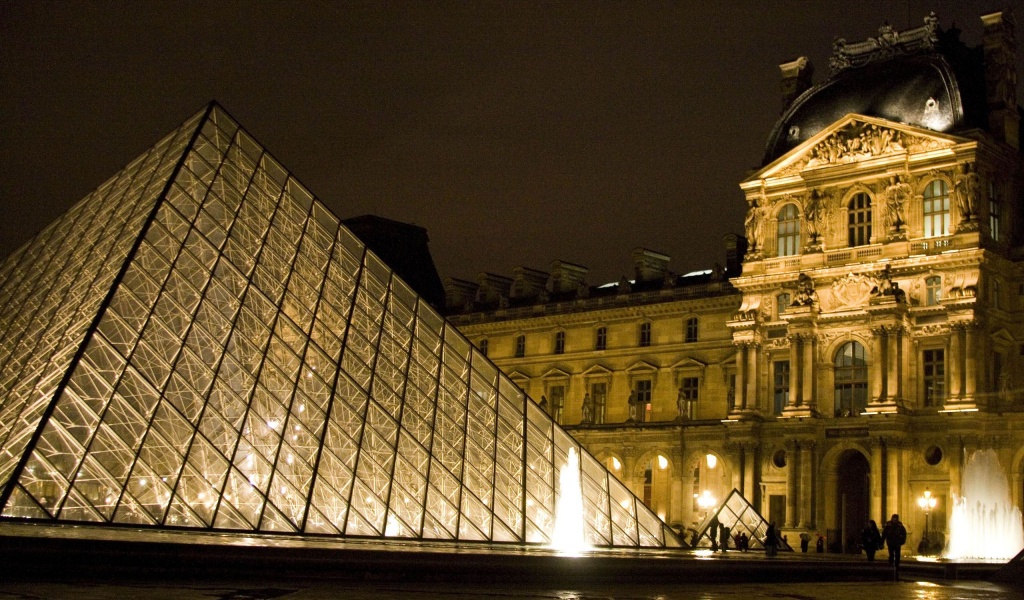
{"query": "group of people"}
(892, 536)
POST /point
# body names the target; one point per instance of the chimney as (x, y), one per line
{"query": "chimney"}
(735, 249)
(567, 277)
(528, 283)
(493, 288)
(1001, 77)
(796, 79)
(649, 265)
(459, 294)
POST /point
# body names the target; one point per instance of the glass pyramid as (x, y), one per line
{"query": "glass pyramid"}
(739, 516)
(200, 344)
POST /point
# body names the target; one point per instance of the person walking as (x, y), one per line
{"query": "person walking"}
(894, 534)
(805, 541)
(723, 538)
(871, 539)
(713, 533)
(771, 540)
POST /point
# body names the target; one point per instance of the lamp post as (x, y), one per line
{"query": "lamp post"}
(927, 503)
(706, 501)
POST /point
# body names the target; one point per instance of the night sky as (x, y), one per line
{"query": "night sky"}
(516, 132)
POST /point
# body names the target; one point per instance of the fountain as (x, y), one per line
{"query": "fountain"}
(985, 524)
(568, 536)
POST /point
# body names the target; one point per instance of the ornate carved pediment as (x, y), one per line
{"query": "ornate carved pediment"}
(860, 139)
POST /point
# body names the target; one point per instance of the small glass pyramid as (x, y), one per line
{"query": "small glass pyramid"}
(740, 517)
(200, 344)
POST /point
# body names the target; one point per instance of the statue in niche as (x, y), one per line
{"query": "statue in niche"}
(754, 224)
(805, 294)
(887, 287)
(634, 407)
(967, 192)
(812, 214)
(897, 194)
(588, 410)
(544, 403)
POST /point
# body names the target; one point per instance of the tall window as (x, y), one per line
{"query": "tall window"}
(601, 338)
(859, 223)
(934, 377)
(995, 209)
(520, 346)
(933, 290)
(645, 334)
(782, 302)
(643, 399)
(483, 346)
(780, 370)
(936, 209)
(691, 393)
(557, 402)
(599, 394)
(691, 330)
(789, 231)
(560, 342)
(851, 381)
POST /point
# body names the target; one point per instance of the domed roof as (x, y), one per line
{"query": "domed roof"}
(918, 90)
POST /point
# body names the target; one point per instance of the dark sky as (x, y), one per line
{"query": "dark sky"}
(516, 132)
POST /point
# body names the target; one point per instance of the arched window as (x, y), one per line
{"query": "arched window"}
(601, 338)
(859, 220)
(851, 380)
(789, 231)
(560, 342)
(933, 290)
(936, 209)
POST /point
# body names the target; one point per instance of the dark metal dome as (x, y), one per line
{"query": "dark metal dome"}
(920, 90)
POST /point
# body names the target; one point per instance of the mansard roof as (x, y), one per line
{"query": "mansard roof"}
(932, 81)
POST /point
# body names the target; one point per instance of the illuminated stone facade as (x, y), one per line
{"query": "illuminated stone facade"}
(873, 337)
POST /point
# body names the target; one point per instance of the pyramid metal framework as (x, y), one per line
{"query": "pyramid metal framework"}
(200, 343)
(739, 516)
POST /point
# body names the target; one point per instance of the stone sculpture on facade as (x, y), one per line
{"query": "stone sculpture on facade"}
(967, 192)
(897, 194)
(634, 407)
(805, 294)
(887, 287)
(588, 410)
(754, 226)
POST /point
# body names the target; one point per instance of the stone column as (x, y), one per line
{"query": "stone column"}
(808, 373)
(877, 476)
(955, 362)
(807, 485)
(740, 399)
(751, 490)
(970, 360)
(795, 373)
(877, 371)
(894, 478)
(750, 398)
(792, 484)
(892, 357)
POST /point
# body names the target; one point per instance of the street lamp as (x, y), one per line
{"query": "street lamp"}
(706, 501)
(927, 503)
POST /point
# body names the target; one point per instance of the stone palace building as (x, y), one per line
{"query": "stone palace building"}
(866, 335)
